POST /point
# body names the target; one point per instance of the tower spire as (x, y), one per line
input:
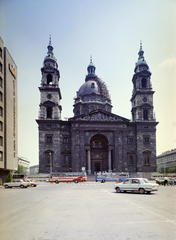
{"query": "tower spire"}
(91, 67)
(50, 40)
(141, 52)
(50, 47)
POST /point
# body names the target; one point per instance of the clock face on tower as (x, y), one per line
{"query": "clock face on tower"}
(49, 96)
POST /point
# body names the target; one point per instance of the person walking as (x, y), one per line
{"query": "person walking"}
(165, 181)
(172, 181)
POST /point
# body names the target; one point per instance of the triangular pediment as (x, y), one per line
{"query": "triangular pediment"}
(48, 104)
(99, 115)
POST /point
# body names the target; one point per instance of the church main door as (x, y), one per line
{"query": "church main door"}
(99, 153)
(97, 167)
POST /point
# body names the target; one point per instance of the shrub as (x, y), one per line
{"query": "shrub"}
(9, 177)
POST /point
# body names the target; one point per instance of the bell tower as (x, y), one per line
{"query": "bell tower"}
(142, 95)
(50, 96)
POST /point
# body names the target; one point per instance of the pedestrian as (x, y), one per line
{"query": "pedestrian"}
(172, 181)
(117, 180)
(165, 181)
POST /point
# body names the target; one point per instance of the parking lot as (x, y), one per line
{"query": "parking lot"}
(90, 210)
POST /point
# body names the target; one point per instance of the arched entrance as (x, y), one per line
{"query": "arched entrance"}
(99, 153)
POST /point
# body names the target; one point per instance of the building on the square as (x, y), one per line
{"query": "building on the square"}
(34, 169)
(8, 113)
(95, 138)
(22, 161)
(166, 160)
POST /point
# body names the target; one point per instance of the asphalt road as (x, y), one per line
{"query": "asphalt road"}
(70, 211)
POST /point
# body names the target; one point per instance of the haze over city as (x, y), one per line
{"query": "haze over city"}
(110, 31)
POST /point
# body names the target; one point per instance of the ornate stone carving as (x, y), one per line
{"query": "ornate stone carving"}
(100, 117)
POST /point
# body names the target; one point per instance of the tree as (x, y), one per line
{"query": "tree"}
(9, 177)
(21, 169)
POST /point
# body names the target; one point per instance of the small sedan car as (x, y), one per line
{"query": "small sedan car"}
(17, 183)
(31, 183)
(140, 185)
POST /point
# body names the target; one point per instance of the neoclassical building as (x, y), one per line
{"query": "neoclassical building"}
(95, 138)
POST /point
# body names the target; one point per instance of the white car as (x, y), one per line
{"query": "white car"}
(140, 185)
(16, 183)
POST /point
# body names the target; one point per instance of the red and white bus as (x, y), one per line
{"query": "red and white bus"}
(68, 177)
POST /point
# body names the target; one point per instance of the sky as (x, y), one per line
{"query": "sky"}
(110, 31)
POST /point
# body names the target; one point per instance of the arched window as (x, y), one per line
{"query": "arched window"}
(93, 85)
(49, 112)
(145, 114)
(144, 82)
(49, 79)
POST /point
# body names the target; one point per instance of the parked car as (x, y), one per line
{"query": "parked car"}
(140, 185)
(32, 183)
(17, 183)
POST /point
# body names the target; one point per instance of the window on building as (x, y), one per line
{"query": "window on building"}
(1, 156)
(66, 160)
(49, 79)
(1, 52)
(146, 159)
(145, 114)
(1, 126)
(130, 140)
(146, 139)
(49, 157)
(1, 141)
(49, 112)
(144, 82)
(1, 111)
(0, 82)
(93, 85)
(0, 67)
(65, 139)
(49, 138)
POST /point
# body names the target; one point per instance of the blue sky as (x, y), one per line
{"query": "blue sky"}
(110, 30)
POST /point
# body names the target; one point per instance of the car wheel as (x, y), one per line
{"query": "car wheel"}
(6, 186)
(148, 192)
(76, 181)
(21, 186)
(56, 181)
(103, 181)
(34, 185)
(141, 190)
(26, 187)
(118, 190)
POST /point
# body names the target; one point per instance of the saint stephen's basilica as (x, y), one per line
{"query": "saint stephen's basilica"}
(95, 139)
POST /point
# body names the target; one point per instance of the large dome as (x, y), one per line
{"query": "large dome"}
(89, 87)
(92, 95)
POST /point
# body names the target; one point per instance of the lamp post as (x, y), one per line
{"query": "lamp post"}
(50, 162)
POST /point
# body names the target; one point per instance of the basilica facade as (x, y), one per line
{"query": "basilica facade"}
(95, 139)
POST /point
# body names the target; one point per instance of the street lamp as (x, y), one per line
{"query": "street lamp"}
(50, 162)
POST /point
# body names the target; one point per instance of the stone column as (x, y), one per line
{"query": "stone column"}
(89, 165)
(109, 161)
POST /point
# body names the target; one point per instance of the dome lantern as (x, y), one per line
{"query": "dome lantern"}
(91, 68)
